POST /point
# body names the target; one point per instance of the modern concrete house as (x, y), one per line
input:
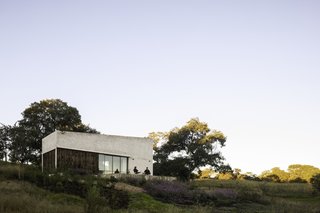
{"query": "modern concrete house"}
(96, 153)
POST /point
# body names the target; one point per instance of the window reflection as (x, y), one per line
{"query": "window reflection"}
(123, 165)
(101, 162)
(116, 163)
(109, 164)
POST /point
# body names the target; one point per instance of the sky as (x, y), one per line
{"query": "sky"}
(250, 69)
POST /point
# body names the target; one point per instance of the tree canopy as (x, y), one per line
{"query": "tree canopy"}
(39, 120)
(294, 173)
(188, 148)
(4, 141)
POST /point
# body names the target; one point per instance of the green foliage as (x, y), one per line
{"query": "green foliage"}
(144, 203)
(248, 176)
(27, 198)
(135, 181)
(115, 199)
(188, 148)
(315, 181)
(4, 141)
(94, 201)
(206, 173)
(225, 176)
(157, 137)
(39, 120)
(20, 150)
(9, 170)
(305, 172)
(296, 173)
(215, 195)
(275, 175)
(267, 188)
(83, 186)
(271, 177)
(177, 192)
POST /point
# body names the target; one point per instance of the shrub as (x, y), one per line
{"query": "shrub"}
(78, 171)
(224, 196)
(253, 195)
(34, 175)
(75, 187)
(94, 201)
(272, 178)
(298, 180)
(114, 198)
(177, 192)
(225, 193)
(286, 189)
(135, 181)
(11, 170)
(315, 181)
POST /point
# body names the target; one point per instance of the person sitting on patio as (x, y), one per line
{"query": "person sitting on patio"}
(117, 171)
(147, 171)
(135, 170)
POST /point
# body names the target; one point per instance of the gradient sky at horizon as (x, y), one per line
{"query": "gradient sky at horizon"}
(248, 68)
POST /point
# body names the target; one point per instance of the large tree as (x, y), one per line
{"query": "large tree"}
(303, 172)
(294, 173)
(188, 148)
(275, 174)
(39, 120)
(21, 147)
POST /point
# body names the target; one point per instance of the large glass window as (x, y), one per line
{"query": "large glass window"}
(109, 164)
(101, 162)
(116, 163)
(124, 165)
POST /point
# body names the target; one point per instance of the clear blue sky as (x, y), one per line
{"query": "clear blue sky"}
(248, 68)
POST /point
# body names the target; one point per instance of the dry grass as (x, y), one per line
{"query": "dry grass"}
(127, 187)
(23, 197)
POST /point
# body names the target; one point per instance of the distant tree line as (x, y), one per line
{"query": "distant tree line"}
(296, 173)
(21, 142)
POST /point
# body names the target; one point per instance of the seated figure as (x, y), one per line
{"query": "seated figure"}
(135, 170)
(147, 171)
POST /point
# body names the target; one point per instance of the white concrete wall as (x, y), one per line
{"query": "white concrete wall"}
(49, 143)
(139, 150)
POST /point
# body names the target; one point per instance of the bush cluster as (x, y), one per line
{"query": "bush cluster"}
(139, 182)
(115, 199)
(315, 181)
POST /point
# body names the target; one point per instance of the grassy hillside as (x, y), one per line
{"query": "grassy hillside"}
(23, 197)
(26, 189)
(253, 196)
(19, 196)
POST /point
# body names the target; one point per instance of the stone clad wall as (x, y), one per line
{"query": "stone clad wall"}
(86, 162)
(49, 160)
